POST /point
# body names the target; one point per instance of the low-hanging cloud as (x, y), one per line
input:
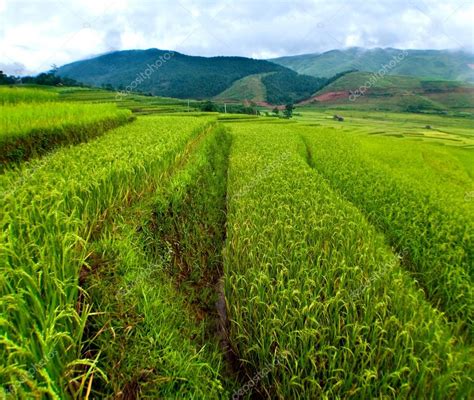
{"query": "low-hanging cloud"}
(37, 34)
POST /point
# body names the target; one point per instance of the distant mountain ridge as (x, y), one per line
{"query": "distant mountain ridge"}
(287, 79)
(395, 93)
(433, 64)
(172, 74)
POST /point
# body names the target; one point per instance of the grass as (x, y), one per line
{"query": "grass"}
(51, 207)
(249, 88)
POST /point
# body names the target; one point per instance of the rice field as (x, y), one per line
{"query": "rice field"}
(433, 224)
(15, 95)
(33, 124)
(197, 255)
(51, 208)
(316, 294)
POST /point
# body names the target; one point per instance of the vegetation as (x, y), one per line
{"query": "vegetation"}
(14, 95)
(175, 75)
(287, 86)
(386, 84)
(153, 281)
(209, 106)
(45, 78)
(288, 111)
(367, 91)
(315, 295)
(36, 128)
(51, 209)
(433, 229)
(208, 255)
(137, 103)
(250, 88)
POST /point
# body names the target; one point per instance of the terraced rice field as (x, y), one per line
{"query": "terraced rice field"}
(205, 256)
(33, 129)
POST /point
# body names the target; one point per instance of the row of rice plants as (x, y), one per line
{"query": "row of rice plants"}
(320, 307)
(152, 284)
(50, 210)
(437, 234)
(14, 95)
(34, 129)
(138, 104)
(445, 172)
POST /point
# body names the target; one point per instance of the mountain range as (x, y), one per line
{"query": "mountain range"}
(276, 81)
(172, 74)
(433, 64)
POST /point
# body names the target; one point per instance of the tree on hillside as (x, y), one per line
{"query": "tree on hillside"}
(276, 111)
(288, 112)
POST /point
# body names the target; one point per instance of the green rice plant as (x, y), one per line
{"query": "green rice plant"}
(14, 95)
(152, 283)
(316, 297)
(29, 130)
(51, 209)
(433, 223)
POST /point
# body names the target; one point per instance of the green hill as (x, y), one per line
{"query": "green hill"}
(355, 80)
(434, 64)
(396, 93)
(172, 74)
(273, 88)
(165, 73)
(285, 86)
(249, 88)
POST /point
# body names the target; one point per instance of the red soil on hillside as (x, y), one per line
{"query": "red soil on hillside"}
(329, 96)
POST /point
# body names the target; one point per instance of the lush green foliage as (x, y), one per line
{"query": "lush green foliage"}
(315, 295)
(43, 79)
(184, 76)
(287, 86)
(354, 80)
(35, 128)
(50, 209)
(138, 104)
(178, 75)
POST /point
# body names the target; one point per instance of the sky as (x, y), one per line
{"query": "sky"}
(36, 34)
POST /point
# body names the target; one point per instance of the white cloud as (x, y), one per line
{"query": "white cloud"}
(38, 33)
